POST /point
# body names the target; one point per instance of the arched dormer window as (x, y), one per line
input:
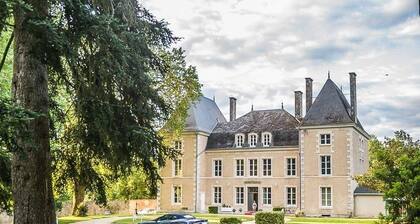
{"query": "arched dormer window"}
(252, 139)
(266, 139)
(239, 140)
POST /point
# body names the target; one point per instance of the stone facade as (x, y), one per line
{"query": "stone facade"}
(279, 160)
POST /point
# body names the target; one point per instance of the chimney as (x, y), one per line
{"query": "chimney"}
(232, 112)
(298, 105)
(308, 93)
(353, 98)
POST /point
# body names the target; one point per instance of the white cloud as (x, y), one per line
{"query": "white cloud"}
(261, 51)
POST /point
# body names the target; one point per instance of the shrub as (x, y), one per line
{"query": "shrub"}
(231, 220)
(82, 210)
(213, 209)
(278, 209)
(299, 213)
(269, 218)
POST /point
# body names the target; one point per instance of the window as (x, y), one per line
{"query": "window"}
(239, 140)
(239, 195)
(267, 195)
(217, 168)
(266, 167)
(240, 167)
(217, 195)
(325, 139)
(177, 195)
(178, 167)
(178, 145)
(325, 165)
(253, 167)
(326, 197)
(252, 140)
(291, 196)
(291, 166)
(266, 139)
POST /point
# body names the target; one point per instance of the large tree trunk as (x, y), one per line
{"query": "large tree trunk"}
(31, 164)
(78, 195)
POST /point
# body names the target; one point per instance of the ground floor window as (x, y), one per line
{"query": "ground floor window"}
(177, 197)
(326, 197)
(291, 196)
(239, 195)
(267, 195)
(217, 195)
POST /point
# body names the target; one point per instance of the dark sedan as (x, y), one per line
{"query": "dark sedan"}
(176, 219)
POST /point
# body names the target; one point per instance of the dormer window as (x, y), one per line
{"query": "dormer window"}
(266, 139)
(252, 140)
(239, 140)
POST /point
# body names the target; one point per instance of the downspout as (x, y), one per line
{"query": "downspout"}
(300, 173)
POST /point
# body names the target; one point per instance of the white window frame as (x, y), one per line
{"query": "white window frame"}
(174, 174)
(213, 164)
(173, 195)
(287, 197)
(254, 166)
(270, 199)
(271, 166)
(235, 168)
(325, 140)
(181, 141)
(320, 165)
(321, 198)
(250, 135)
(236, 195)
(286, 168)
(264, 143)
(213, 198)
(237, 140)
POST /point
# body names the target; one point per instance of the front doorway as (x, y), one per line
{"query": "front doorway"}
(252, 197)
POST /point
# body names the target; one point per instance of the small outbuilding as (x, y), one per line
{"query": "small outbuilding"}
(368, 203)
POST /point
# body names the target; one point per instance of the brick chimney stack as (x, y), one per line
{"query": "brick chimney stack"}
(308, 93)
(298, 105)
(353, 96)
(232, 111)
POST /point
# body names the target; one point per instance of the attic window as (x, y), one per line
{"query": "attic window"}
(266, 139)
(239, 140)
(252, 139)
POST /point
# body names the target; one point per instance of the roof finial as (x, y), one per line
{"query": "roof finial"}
(282, 106)
(328, 74)
(252, 107)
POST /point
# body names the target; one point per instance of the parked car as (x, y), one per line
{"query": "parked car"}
(176, 219)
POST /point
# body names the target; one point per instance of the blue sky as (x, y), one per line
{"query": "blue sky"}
(261, 51)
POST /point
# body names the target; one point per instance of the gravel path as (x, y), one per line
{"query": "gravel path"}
(102, 221)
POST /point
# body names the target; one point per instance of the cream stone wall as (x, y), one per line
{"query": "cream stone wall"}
(369, 206)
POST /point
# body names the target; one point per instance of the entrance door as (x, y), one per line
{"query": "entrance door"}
(252, 197)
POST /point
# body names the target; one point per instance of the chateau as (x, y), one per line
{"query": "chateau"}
(272, 157)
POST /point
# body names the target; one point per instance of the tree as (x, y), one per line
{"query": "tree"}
(394, 169)
(108, 59)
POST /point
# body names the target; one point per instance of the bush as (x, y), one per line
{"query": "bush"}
(269, 218)
(82, 210)
(213, 209)
(231, 220)
(278, 209)
(299, 213)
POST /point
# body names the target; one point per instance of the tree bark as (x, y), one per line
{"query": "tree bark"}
(31, 163)
(78, 195)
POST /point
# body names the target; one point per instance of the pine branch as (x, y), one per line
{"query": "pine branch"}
(6, 51)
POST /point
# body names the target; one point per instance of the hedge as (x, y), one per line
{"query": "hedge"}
(213, 209)
(278, 209)
(231, 220)
(269, 218)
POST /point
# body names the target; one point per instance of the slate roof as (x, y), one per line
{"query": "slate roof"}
(281, 124)
(330, 107)
(203, 115)
(365, 190)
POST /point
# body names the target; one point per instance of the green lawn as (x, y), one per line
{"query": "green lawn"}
(213, 218)
(307, 220)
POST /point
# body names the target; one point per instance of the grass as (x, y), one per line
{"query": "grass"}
(73, 219)
(307, 220)
(212, 218)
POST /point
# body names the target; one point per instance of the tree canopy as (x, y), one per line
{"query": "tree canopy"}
(394, 169)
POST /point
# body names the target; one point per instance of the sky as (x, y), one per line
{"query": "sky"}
(260, 52)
